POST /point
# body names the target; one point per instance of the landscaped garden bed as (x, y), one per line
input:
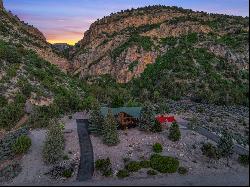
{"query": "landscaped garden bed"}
(137, 147)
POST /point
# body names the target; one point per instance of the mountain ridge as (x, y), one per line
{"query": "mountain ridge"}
(106, 38)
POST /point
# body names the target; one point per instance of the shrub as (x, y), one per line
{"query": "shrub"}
(145, 164)
(67, 173)
(244, 160)
(164, 164)
(3, 101)
(210, 151)
(157, 127)
(182, 170)
(65, 157)
(104, 166)
(22, 144)
(54, 144)
(152, 172)
(122, 174)
(133, 166)
(157, 148)
(225, 145)
(174, 132)
(110, 134)
(10, 115)
(6, 143)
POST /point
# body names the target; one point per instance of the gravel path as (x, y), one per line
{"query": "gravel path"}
(32, 164)
(237, 148)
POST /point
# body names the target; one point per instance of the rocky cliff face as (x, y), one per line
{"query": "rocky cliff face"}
(15, 31)
(123, 44)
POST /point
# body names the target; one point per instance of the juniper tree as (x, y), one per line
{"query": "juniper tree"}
(147, 117)
(225, 145)
(96, 120)
(157, 127)
(174, 132)
(110, 133)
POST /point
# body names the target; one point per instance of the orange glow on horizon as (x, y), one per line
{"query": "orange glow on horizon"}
(70, 42)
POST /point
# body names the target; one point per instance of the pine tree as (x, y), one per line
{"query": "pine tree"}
(147, 118)
(110, 133)
(157, 127)
(96, 120)
(225, 145)
(174, 132)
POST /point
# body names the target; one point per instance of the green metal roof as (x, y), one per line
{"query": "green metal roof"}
(132, 111)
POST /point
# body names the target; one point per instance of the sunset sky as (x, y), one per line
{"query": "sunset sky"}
(66, 20)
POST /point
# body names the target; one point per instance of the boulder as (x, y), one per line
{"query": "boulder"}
(28, 107)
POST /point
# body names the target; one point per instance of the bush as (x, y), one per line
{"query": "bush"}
(67, 173)
(110, 134)
(133, 166)
(65, 157)
(210, 151)
(122, 174)
(182, 171)
(152, 172)
(157, 127)
(244, 160)
(164, 164)
(104, 166)
(157, 148)
(54, 144)
(3, 101)
(225, 145)
(174, 132)
(22, 144)
(6, 143)
(10, 115)
(145, 164)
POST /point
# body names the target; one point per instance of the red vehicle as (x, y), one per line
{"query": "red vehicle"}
(164, 119)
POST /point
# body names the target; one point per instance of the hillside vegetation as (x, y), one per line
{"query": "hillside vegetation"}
(27, 77)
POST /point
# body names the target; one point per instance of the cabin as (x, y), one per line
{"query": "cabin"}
(127, 117)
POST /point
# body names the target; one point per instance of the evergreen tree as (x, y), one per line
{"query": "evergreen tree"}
(147, 118)
(96, 120)
(225, 145)
(110, 133)
(174, 132)
(157, 127)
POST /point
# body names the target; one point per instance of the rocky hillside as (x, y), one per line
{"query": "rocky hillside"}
(169, 52)
(123, 44)
(15, 31)
(30, 84)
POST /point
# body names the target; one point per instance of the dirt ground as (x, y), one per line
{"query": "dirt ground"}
(137, 145)
(33, 167)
